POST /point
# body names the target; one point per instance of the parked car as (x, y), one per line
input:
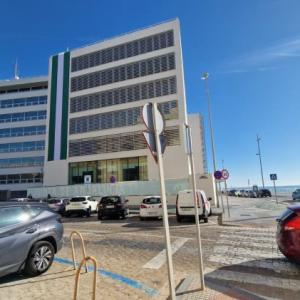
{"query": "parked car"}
(113, 206)
(30, 235)
(238, 193)
(288, 233)
(264, 193)
(296, 194)
(231, 193)
(58, 205)
(185, 205)
(18, 199)
(151, 207)
(82, 205)
(252, 194)
(246, 194)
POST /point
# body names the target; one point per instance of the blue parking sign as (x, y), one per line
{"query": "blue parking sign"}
(273, 176)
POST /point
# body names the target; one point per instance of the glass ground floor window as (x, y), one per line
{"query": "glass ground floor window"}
(109, 171)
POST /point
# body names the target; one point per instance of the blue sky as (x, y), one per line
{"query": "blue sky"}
(250, 48)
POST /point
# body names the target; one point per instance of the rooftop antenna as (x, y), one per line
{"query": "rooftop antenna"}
(16, 77)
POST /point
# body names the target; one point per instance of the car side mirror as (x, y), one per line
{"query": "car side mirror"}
(210, 198)
(126, 200)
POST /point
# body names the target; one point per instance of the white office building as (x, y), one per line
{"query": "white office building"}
(23, 110)
(96, 94)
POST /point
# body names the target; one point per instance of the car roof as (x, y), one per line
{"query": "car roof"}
(295, 207)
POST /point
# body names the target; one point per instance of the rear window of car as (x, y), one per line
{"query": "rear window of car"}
(110, 200)
(77, 199)
(288, 212)
(53, 201)
(151, 200)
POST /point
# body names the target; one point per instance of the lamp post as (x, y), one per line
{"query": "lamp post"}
(260, 162)
(205, 78)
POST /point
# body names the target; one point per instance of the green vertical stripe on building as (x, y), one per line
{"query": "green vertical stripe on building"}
(65, 107)
(52, 108)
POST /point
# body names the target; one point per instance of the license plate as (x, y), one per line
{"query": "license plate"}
(110, 206)
(186, 209)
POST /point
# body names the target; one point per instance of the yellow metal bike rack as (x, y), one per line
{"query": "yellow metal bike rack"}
(85, 259)
(73, 233)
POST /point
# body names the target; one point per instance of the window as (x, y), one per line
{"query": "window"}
(123, 169)
(117, 143)
(10, 216)
(134, 48)
(120, 118)
(21, 162)
(22, 147)
(126, 72)
(24, 116)
(22, 131)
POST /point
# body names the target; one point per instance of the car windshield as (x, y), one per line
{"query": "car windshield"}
(77, 199)
(53, 201)
(110, 200)
(152, 200)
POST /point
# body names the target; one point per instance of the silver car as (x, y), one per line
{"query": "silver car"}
(30, 235)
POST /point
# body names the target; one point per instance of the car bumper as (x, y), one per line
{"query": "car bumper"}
(111, 212)
(146, 214)
(76, 211)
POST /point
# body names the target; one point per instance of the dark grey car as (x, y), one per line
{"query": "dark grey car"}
(30, 235)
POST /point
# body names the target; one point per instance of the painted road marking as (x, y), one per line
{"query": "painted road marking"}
(254, 253)
(257, 279)
(117, 277)
(277, 265)
(157, 261)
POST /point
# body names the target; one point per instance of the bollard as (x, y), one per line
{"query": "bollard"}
(82, 248)
(84, 260)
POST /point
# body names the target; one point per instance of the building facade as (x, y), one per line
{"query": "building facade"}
(96, 94)
(23, 111)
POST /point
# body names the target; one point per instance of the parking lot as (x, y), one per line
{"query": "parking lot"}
(132, 262)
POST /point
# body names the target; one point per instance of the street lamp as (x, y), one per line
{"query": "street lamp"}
(260, 162)
(205, 78)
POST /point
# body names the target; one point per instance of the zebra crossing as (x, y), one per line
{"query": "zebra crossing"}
(250, 256)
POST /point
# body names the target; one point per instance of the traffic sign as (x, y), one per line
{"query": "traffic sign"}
(225, 174)
(218, 175)
(273, 176)
(148, 113)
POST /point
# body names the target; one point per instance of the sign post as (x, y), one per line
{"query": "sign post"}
(273, 177)
(225, 176)
(191, 162)
(156, 142)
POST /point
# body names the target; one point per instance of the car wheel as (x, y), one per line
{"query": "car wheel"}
(205, 220)
(100, 217)
(123, 215)
(142, 219)
(39, 259)
(88, 212)
(210, 212)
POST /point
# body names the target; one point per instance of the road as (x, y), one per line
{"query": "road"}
(241, 255)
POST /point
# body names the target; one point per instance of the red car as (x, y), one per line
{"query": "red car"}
(288, 233)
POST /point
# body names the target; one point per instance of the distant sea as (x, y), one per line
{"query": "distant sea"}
(282, 190)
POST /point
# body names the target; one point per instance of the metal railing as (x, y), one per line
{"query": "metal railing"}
(84, 260)
(73, 233)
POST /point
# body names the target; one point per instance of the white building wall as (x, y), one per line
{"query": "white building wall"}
(18, 92)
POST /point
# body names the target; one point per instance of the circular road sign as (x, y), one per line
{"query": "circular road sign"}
(225, 174)
(218, 175)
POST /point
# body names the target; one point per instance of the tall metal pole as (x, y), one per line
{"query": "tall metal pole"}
(259, 154)
(165, 208)
(205, 78)
(226, 191)
(191, 161)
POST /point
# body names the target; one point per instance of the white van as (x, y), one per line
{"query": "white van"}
(185, 205)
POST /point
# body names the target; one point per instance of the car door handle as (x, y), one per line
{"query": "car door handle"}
(31, 229)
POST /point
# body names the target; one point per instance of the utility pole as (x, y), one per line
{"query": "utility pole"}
(205, 78)
(260, 161)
